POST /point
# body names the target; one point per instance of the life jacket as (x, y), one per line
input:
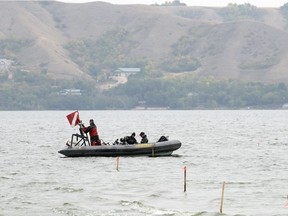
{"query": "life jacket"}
(92, 130)
(131, 140)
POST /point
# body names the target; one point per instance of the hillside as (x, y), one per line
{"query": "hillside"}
(244, 49)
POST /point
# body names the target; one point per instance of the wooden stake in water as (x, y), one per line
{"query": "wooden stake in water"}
(117, 163)
(222, 197)
(184, 178)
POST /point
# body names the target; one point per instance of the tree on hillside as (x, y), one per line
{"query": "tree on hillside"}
(108, 52)
(239, 12)
(174, 3)
(180, 64)
(9, 48)
(284, 10)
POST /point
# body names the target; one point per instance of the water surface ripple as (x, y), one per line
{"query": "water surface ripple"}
(245, 148)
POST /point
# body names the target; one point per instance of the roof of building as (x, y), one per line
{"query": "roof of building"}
(5, 63)
(128, 70)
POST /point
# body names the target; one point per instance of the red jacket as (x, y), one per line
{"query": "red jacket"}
(92, 129)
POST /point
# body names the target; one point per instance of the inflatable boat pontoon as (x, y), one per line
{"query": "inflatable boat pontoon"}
(164, 148)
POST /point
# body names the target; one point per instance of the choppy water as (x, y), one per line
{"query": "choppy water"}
(247, 149)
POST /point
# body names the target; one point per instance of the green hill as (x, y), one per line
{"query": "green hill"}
(190, 57)
(65, 40)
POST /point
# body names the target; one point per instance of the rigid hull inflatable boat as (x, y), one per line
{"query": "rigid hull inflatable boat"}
(164, 148)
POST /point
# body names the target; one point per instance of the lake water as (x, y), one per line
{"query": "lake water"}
(247, 149)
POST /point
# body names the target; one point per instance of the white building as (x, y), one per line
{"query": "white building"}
(74, 92)
(5, 64)
(125, 72)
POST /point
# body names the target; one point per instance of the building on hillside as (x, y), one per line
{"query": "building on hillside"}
(125, 72)
(285, 106)
(5, 64)
(72, 92)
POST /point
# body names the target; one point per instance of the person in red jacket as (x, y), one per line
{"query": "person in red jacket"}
(92, 130)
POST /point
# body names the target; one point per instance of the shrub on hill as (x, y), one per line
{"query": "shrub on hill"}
(193, 92)
(234, 12)
(189, 92)
(108, 52)
(10, 47)
(284, 10)
(180, 64)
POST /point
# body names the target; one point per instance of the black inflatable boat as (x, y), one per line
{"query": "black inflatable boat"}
(164, 148)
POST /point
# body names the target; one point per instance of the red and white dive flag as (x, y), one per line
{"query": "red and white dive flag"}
(73, 118)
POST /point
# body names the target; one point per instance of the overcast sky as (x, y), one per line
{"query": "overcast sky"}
(217, 3)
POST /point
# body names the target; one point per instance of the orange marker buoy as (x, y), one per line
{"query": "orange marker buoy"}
(185, 178)
(222, 197)
(117, 163)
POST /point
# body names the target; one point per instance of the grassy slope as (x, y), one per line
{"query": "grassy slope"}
(226, 50)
